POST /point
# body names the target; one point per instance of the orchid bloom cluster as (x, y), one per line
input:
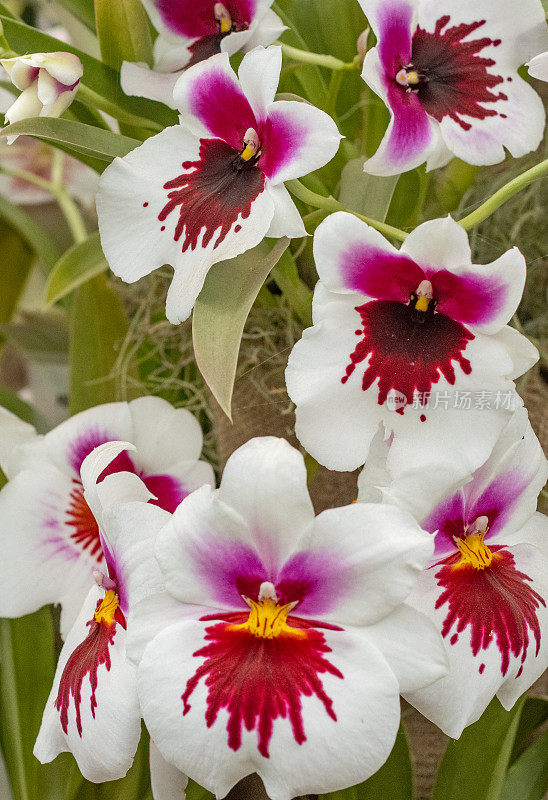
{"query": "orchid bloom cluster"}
(250, 634)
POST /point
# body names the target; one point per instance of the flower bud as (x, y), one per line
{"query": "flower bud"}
(48, 83)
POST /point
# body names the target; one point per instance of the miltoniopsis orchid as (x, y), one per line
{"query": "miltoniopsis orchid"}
(211, 188)
(448, 72)
(191, 31)
(50, 539)
(93, 708)
(283, 640)
(48, 83)
(415, 338)
(486, 586)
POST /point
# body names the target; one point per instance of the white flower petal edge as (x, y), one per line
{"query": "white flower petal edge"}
(166, 781)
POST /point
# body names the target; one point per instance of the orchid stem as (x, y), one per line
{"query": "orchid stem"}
(503, 194)
(330, 62)
(57, 189)
(330, 204)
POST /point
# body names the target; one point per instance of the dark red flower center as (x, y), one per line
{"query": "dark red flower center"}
(259, 667)
(408, 349)
(86, 659)
(448, 74)
(212, 193)
(484, 591)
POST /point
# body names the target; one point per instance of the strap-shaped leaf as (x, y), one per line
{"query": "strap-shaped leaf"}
(220, 314)
(527, 778)
(77, 137)
(77, 266)
(33, 233)
(474, 766)
(98, 327)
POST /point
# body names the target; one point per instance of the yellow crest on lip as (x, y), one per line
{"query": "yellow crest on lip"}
(474, 552)
(267, 620)
(107, 609)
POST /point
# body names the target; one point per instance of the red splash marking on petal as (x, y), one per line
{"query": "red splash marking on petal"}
(260, 680)
(459, 82)
(422, 418)
(404, 355)
(168, 491)
(213, 195)
(493, 601)
(481, 668)
(86, 659)
(85, 529)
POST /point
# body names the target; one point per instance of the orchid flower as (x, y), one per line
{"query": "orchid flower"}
(190, 32)
(414, 338)
(211, 188)
(37, 158)
(93, 708)
(538, 67)
(48, 83)
(486, 586)
(50, 539)
(283, 640)
(448, 72)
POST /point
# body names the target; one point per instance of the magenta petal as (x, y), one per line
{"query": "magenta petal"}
(282, 140)
(378, 273)
(317, 580)
(196, 18)
(221, 106)
(448, 518)
(394, 35)
(411, 132)
(468, 298)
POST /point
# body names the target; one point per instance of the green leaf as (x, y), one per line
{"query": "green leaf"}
(40, 241)
(195, 792)
(97, 329)
(17, 258)
(474, 766)
(82, 10)
(43, 335)
(13, 403)
(123, 31)
(366, 194)
(527, 778)
(394, 780)
(294, 289)
(77, 266)
(98, 77)
(76, 137)
(534, 714)
(27, 668)
(221, 311)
